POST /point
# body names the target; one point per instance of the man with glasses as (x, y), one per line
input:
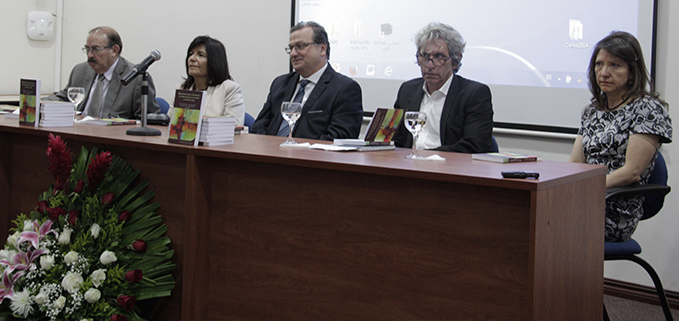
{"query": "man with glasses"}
(459, 111)
(332, 104)
(105, 96)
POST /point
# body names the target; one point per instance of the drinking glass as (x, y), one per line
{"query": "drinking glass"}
(415, 121)
(291, 112)
(76, 96)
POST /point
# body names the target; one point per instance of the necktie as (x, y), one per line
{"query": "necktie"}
(95, 104)
(284, 130)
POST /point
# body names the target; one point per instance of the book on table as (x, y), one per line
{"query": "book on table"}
(114, 121)
(29, 102)
(187, 117)
(379, 133)
(217, 130)
(56, 114)
(7, 109)
(505, 157)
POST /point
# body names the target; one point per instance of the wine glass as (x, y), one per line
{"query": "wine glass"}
(76, 96)
(291, 112)
(415, 121)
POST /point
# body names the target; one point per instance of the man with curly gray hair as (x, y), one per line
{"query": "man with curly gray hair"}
(459, 111)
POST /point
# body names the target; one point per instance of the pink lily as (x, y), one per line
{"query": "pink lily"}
(23, 261)
(38, 233)
(7, 285)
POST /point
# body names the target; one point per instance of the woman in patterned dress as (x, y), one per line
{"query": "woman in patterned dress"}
(623, 127)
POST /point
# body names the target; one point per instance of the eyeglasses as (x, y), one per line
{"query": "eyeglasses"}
(437, 59)
(299, 47)
(94, 50)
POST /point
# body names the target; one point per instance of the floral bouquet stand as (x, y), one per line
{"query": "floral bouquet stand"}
(92, 247)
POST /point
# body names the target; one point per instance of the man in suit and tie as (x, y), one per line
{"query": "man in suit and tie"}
(459, 111)
(105, 96)
(332, 104)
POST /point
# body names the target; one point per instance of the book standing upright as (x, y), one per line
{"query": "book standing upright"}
(29, 102)
(187, 117)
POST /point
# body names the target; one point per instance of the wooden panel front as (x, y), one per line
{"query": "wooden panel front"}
(294, 243)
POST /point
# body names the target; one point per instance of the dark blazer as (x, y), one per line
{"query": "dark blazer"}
(121, 101)
(333, 110)
(466, 120)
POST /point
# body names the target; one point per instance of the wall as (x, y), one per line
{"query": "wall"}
(255, 33)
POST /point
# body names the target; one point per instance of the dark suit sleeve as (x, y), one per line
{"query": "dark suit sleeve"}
(347, 113)
(402, 137)
(261, 124)
(478, 123)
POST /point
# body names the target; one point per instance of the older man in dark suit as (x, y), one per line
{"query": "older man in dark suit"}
(105, 96)
(331, 103)
(459, 111)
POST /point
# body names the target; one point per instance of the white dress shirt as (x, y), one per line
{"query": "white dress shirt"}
(432, 106)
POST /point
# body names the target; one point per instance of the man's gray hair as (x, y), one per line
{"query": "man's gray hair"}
(437, 30)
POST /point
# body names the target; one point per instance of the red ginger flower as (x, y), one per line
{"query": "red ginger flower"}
(60, 160)
(97, 169)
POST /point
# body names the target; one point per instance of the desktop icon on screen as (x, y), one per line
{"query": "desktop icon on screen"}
(575, 29)
(370, 70)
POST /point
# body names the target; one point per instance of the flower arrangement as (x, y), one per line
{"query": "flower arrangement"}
(91, 248)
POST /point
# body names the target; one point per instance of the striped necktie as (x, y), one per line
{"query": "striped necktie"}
(95, 104)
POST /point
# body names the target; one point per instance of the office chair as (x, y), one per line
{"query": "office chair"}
(655, 192)
(494, 147)
(164, 105)
(249, 120)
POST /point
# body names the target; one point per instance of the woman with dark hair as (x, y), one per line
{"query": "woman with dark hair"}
(208, 70)
(623, 127)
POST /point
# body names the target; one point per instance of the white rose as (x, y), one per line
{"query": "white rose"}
(28, 225)
(94, 230)
(65, 237)
(47, 262)
(40, 299)
(92, 295)
(13, 239)
(107, 258)
(71, 257)
(98, 276)
(6, 255)
(72, 282)
(60, 303)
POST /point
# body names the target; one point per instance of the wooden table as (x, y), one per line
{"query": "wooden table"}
(269, 233)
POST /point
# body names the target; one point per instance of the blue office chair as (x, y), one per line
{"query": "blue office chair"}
(249, 120)
(164, 105)
(494, 148)
(655, 192)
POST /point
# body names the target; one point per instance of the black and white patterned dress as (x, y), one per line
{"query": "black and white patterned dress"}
(605, 135)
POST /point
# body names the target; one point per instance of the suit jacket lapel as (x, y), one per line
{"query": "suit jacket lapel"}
(88, 79)
(448, 105)
(318, 89)
(114, 86)
(416, 99)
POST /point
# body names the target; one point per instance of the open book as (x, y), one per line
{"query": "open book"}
(381, 129)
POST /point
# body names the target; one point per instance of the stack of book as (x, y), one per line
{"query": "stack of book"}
(217, 131)
(56, 114)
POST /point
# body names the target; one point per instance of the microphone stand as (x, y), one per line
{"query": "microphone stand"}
(143, 130)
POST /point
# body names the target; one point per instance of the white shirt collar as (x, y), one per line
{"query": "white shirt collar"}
(444, 89)
(109, 73)
(315, 77)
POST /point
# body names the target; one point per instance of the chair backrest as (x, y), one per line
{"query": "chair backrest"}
(654, 202)
(494, 148)
(249, 120)
(164, 105)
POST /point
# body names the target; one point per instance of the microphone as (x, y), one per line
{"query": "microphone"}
(141, 67)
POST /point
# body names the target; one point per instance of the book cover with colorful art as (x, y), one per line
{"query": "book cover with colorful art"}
(29, 102)
(187, 117)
